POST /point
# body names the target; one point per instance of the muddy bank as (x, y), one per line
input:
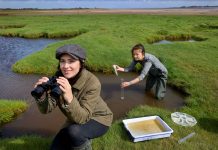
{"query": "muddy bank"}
(158, 11)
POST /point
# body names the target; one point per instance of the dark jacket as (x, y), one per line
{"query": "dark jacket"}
(87, 103)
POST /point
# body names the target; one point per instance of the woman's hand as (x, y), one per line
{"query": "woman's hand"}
(66, 89)
(41, 81)
(134, 81)
(125, 84)
(118, 68)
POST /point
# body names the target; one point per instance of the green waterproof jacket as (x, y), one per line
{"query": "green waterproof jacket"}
(87, 103)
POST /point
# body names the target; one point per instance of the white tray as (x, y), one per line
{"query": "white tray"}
(147, 128)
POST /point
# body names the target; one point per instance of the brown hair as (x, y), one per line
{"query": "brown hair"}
(138, 46)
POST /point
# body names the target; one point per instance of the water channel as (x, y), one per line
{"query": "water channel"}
(17, 86)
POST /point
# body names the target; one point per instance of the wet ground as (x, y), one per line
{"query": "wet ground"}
(16, 86)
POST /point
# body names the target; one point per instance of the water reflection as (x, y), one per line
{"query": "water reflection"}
(16, 86)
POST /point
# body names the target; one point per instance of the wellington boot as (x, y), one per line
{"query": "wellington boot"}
(85, 146)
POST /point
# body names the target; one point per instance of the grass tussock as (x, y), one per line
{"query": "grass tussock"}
(10, 110)
(12, 26)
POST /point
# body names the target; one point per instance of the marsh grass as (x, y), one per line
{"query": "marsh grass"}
(193, 67)
(27, 142)
(12, 26)
(10, 110)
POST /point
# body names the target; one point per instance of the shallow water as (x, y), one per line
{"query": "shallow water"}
(170, 42)
(32, 121)
(16, 86)
(13, 49)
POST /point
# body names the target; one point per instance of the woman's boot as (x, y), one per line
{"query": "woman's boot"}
(85, 146)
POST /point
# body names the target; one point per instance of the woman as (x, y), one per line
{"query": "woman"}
(155, 71)
(88, 116)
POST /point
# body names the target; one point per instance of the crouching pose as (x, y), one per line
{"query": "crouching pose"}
(155, 71)
(76, 91)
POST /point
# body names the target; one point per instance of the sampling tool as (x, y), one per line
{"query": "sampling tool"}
(121, 80)
(147, 128)
(122, 90)
(184, 120)
(115, 70)
(186, 137)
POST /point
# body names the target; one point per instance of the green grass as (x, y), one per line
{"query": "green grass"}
(25, 143)
(118, 139)
(193, 67)
(11, 109)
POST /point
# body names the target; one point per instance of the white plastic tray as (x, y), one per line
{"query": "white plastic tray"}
(144, 132)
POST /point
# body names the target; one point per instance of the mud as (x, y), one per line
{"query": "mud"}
(163, 11)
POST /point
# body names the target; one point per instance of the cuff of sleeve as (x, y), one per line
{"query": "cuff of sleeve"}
(141, 77)
(126, 70)
(72, 106)
(65, 105)
(41, 101)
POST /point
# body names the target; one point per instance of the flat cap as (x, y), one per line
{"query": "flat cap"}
(73, 50)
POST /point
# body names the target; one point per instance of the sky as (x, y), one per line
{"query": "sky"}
(51, 4)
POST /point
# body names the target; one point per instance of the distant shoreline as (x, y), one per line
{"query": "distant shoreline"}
(206, 10)
(183, 7)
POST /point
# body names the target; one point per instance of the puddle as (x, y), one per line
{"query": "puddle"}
(16, 86)
(170, 42)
